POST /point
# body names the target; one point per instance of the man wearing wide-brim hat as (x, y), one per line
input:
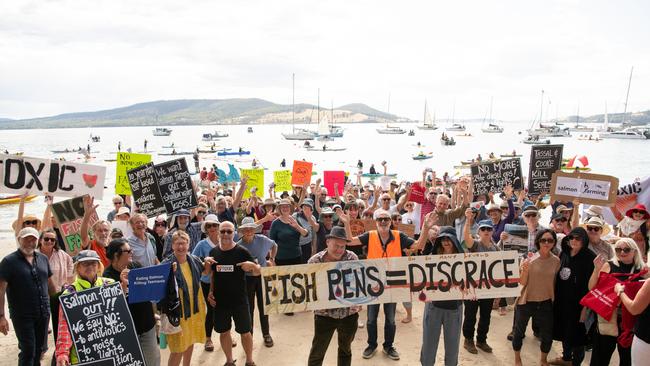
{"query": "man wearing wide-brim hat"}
(596, 229)
(342, 320)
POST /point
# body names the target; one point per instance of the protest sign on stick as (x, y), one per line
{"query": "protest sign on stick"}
(146, 193)
(493, 176)
(594, 189)
(332, 177)
(69, 215)
(282, 180)
(255, 180)
(544, 161)
(124, 162)
(175, 185)
(301, 173)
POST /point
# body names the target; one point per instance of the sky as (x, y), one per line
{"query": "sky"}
(84, 55)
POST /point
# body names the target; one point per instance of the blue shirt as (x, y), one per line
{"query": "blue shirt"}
(144, 251)
(202, 250)
(259, 248)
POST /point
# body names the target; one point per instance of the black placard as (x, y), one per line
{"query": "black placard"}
(146, 192)
(493, 176)
(175, 185)
(101, 326)
(544, 161)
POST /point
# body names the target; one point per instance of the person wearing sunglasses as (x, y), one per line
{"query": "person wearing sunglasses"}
(120, 255)
(181, 221)
(537, 277)
(26, 220)
(26, 279)
(61, 267)
(228, 292)
(559, 224)
(101, 231)
(158, 232)
(118, 202)
(531, 219)
(635, 225)
(627, 260)
(596, 229)
(572, 284)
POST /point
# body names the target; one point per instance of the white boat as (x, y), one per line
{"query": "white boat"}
(391, 130)
(216, 135)
(492, 128)
(427, 122)
(456, 127)
(161, 131)
(581, 128)
(530, 140)
(296, 134)
(250, 129)
(447, 141)
(550, 131)
(629, 133)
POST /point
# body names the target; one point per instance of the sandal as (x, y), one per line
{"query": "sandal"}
(230, 363)
(209, 346)
(250, 364)
(268, 341)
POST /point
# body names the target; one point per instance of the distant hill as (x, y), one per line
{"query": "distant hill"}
(636, 118)
(201, 111)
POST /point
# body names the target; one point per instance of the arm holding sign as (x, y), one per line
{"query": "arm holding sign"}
(89, 208)
(47, 215)
(63, 341)
(429, 221)
(240, 192)
(575, 215)
(523, 270)
(467, 232)
(21, 213)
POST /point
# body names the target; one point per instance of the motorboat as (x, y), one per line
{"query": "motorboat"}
(492, 128)
(422, 156)
(629, 133)
(447, 142)
(535, 140)
(214, 136)
(161, 131)
(456, 127)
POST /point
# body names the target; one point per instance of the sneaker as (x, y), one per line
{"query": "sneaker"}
(268, 341)
(483, 346)
(369, 352)
(469, 346)
(392, 353)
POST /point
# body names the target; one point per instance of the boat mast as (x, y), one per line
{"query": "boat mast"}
(541, 109)
(293, 103)
(627, 95)
(424, 119)
(490, 119)
(318, 102)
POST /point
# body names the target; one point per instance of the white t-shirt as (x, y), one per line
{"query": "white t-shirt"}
(413, 217)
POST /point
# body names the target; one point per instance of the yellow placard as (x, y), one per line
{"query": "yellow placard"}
(282, 180)
(125, 162)
(255, 179)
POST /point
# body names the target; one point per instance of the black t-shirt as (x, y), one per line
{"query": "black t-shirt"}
(228, 278)
(141, 312)
(321, 237)
(227, 215)
(27, 292)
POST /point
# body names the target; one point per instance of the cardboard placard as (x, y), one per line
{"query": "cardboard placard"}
(175, 185)
(594, 189)
(544, 161)
(375, 281)
(357, 227)
(144, 187)
(124, 162)
(493, 176)
(255, 180)
(408, 229)
(101, 326)
(282, 180)
(301, 173)
(21, 174)
(69, 215)
(334, 176)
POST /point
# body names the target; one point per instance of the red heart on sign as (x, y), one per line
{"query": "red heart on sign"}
(90, 180)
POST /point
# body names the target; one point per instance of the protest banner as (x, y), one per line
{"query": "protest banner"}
(146, 193)
(282, 180)
(255, 180)
(101, 326)
(175, 185)
(330, 285)
(628, 195)
(595, 189)
(544, 161)
(301, 173)
(493, 176)
(69, 215)
(331, 177)
(124, 226)
(124, 162)
(21, 174)
(148, 284)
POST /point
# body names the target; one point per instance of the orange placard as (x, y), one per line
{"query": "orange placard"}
(301, 173)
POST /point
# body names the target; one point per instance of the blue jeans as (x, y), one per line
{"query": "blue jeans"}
(435, 319)
(389, 325)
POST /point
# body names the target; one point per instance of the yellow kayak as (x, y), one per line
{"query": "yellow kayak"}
(9, 200)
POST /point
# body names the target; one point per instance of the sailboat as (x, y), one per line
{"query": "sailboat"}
(455, 126)
(544, 130)
(427, 123)
(578, 127)
(299, 134)
(327, 131)
(390, 130)
(491, 128)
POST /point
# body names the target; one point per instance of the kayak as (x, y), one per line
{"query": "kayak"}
(510, 155)
(326, 149)
(368, 175)
(573, 169)
(226, 153)
(177, 153)
(422, 157)
(8, 200)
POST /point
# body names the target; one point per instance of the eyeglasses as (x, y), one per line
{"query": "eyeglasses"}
(210, 226)
(432, 193)
(126, 250)
(117, 203)
(530, 215)
(547, 241)
(638, 212)
(562, 219)
(383, 219)
(30, 222)
(593, 228)
(202, 213)
(485, 228)
(52, 240)
(623, 250)
(385, 199)
(226, 232)
(573, 237)
(161, 224)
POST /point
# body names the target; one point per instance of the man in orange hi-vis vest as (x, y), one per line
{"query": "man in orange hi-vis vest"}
(381, 243)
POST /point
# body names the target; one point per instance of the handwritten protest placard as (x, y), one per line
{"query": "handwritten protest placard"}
(357, 227)
(255, 180)
(594, 189)
(21, 174)
(301, 173)
(125, 162)
(282, 180)
(493, 176)
(175, 185)
(69, 215)
(440, 277)
(101, 326)
(148, 284)
(146, 193)
(331, 177)
(544, 161)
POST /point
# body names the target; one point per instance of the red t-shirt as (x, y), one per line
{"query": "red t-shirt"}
(101, 251)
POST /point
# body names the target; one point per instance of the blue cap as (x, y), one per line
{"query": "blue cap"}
(182, 212)
(485, 223)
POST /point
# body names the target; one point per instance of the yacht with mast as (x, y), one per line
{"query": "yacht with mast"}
(427, 122)
(491, 128)
(296, 134)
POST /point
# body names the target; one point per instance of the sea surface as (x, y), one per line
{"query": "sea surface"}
(625, 159)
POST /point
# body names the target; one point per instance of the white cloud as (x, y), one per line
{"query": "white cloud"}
(67, 56)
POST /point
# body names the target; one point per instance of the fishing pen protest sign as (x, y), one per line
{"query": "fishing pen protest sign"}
(143, 185)
(330, 285)
(21, 174)
(493, 176)
(594, 189)
(101, 325)
(544, 161)
(125, 162)
(69, 215)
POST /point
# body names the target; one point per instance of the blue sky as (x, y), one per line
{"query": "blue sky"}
(70, 56)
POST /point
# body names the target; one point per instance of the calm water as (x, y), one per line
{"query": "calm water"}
(626, 159)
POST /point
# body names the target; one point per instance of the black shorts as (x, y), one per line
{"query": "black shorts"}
(224, 316)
